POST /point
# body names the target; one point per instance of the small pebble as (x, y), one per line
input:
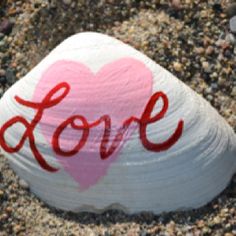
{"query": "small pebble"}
(2, 44)
(231, 10)
(217, 7)
(176, 4)
(228, 234)
(67, 2)
(227, 53)
(206, 66)
(217, 220)
(23, 184)
(230, 38)
(1, 36)
(10, 76)
(6, 26)
(208, 90)
(209, 50)
(232, 24)
(233, 93)
(1, 91)
(200, 50)
(1, 193)
(177, 66)
(9, 210)
(3, 80)
(209, 98)
(3, 217)
(221, 82)
(214, 86)
(17, 228)
(2, 72)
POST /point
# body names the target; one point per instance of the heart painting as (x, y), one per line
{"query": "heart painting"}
(91, 96)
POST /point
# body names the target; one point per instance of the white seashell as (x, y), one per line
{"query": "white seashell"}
(176, 151)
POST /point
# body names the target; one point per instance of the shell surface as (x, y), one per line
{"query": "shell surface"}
(97, 124)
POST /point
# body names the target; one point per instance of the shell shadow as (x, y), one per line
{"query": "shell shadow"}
(226, 199)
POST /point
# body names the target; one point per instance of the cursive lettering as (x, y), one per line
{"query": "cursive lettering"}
(52, 99)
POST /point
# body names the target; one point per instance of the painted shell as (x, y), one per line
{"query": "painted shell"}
(99, 125)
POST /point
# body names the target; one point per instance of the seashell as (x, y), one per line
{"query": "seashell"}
(97, 125)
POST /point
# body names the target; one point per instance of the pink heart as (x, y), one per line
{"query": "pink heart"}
(120, 89)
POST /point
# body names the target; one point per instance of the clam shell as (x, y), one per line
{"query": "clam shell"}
(181, 161)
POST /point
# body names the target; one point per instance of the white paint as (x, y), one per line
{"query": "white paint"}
(190, 174)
